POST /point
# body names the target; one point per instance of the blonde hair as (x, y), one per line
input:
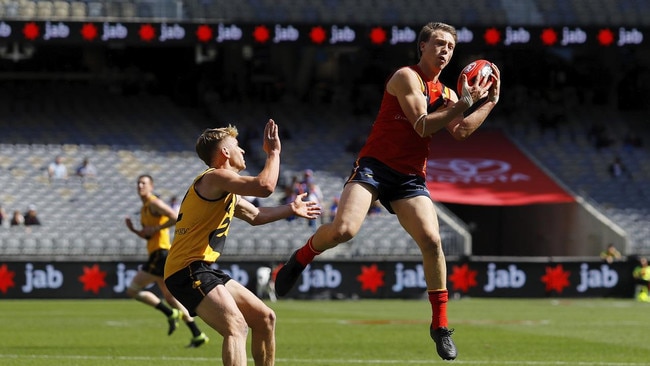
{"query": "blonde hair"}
(208, 141)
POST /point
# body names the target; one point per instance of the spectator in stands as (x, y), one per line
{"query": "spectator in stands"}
(307, 177)
(4, 217)
(31, 218)
(57, 169)
(632, 141)
(155, 218)
(617, 169)
(86, 170)
(314, 192)
(641, 275)
(17, 219)
(175, 204)
(212, 201)
(290, 195)
(600, 136)
(610, 254)
(334, 206)
(297, 186)
(391, 166)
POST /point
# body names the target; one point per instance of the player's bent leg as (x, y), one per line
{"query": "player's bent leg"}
(219, 310)
(261, 319)
(288, 275)
(178, 310)
(136, 291)
(353, 208)
(418, 217)
(198, 341)
(198, 338)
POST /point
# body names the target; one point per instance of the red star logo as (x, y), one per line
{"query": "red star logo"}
(318, 35)
(371, 278)
(605, 37)
(556, 279)
(492, 36)
(463, 278)
(204, 33)
(6, 278)
(377, 35)
(147, 32)
(93, 279)
(31, 31)
(89, 32)
(548, 37)
(261, 34)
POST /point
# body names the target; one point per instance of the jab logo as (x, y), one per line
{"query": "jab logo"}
(465, 35)
(504, 278)
(472, 170)
(124, 277)
(328, 277)
(408, 278)
(5, 30)
(48, 278)
(596, 278)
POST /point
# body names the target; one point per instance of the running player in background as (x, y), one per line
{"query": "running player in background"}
(156, 217)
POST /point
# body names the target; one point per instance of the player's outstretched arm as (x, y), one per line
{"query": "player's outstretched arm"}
(263, 215)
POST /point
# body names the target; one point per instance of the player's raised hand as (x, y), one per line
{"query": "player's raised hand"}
(271, 137)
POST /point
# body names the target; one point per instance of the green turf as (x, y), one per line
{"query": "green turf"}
(366, 332)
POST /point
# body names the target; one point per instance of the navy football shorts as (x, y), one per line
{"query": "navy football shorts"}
(389, 184)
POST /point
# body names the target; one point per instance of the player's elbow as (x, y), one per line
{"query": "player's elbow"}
(265, 187)
(267, 190)
(460, 135)
(264, 190)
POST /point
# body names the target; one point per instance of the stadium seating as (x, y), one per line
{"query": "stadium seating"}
(86, 218)
(572, 157)
(124, 138)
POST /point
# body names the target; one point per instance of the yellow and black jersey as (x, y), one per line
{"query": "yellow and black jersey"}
(201, 228)
(160, 239)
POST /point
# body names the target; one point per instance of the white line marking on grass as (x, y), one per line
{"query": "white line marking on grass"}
(326, 362)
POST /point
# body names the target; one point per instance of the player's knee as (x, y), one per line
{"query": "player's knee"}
(265, 321)
(133, 291)
(237, 327)
(270, 319)
(344, 233)
(430, 245)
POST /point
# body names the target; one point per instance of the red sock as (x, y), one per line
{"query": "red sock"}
(306, 254)
(438, 300)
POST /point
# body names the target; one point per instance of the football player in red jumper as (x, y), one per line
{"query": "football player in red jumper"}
(391, 167)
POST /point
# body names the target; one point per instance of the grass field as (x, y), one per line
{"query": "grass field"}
(365, 332)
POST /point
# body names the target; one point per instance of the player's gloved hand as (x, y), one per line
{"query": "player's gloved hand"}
(495, 89)
(466, 95)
